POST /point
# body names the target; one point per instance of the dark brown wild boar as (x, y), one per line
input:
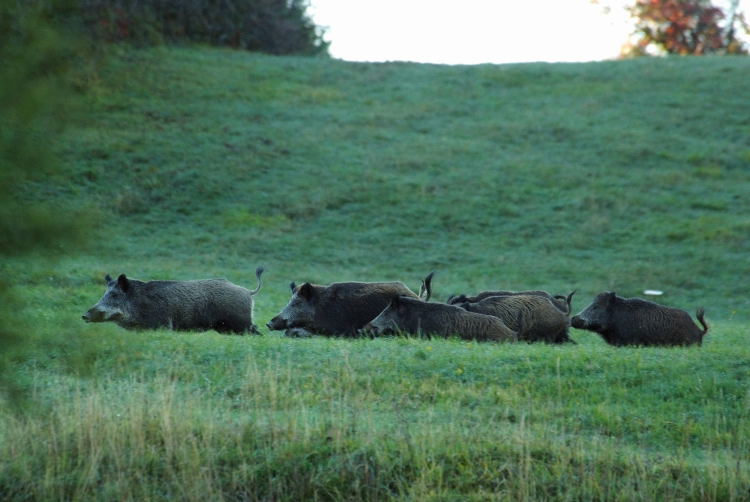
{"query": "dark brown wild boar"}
(633, 321)
(561, 302)
(410, 315)
(543, 322)
(341, 308)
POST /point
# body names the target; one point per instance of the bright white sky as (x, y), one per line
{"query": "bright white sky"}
(475, 31)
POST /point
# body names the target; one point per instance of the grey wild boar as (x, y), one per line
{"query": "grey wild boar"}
(561, 302)
(410, 315)
(179, 305)
(339, 309)
(543, 321)
(633, 321)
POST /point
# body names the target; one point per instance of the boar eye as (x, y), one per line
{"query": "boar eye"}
(116, 292)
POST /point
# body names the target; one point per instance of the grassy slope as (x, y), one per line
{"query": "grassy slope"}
(201, 162)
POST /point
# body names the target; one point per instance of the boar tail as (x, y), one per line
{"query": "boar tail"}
(569, 298)
(258, 274)
(699, 314)
(566, 299)
(426, 287)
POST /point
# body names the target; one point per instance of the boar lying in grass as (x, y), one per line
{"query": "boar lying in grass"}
(543, 321)
(341, 308)
(562, 303)
(410, 315)
(179, 305)
(633, 321)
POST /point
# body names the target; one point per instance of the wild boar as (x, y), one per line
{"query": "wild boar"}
(633, 321)
(179, 305)
(341, 308)
(561, 302)
(543, 322)
(411, 315)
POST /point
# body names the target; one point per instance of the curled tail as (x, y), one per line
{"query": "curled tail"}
(699, 314)
(569, 298)
(258, 274)
(426, 287)
(566, 299)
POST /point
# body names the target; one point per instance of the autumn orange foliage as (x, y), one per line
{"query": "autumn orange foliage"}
(687, 27)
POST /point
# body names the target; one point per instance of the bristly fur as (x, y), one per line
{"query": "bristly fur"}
(211, 304)
(544, 321)
(414, 316)
(339, 309)
(560, 302)
(635, 321)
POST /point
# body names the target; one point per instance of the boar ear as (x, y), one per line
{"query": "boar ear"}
(404, 305)
(393, 304)
(107, 279)
(399, 303)
(292, 286)
(123, 283)
(611, 297)
(307, 291)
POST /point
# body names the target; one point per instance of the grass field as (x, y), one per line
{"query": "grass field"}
(195, 162)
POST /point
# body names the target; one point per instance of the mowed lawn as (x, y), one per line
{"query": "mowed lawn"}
(194, 162)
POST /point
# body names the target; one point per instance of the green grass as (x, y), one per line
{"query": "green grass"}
(195, 163)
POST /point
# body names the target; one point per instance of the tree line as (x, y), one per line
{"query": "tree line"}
(271, 26)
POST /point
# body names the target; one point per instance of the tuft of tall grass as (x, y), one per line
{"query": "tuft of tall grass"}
(314, 420)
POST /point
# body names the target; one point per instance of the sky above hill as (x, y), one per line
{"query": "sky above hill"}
(475, 31)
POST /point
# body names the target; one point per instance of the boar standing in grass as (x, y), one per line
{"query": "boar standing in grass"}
(543, 322)
(411, 315)
(633, 321)
(179, 305)
(561, 302)
(340, 309)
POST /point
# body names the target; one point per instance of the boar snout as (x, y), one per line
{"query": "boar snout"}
(92, 315)
(277, 323)
(577, 322)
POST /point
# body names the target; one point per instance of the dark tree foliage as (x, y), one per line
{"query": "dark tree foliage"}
(37, 85)
(37, 81)
(272, 26)
(688, 27)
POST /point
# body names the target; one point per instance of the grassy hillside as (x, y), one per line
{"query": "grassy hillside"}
(622, 175)
(193, 163)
